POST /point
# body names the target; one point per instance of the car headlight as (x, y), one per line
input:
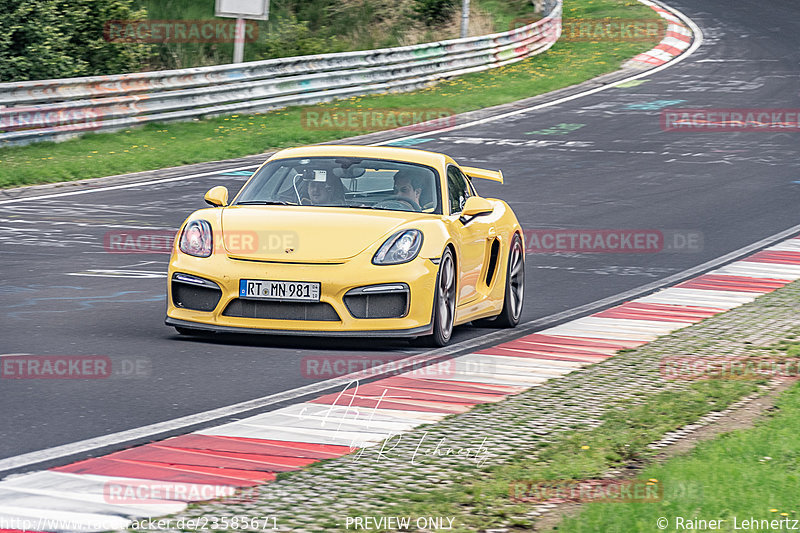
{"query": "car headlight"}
(401, 247)
(196, 239)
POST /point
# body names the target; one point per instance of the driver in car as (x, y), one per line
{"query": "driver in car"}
(408, 187)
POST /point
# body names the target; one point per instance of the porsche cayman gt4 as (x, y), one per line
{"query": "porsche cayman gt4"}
(349, 240)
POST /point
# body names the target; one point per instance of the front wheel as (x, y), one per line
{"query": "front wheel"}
(444, 301)
(515, 286)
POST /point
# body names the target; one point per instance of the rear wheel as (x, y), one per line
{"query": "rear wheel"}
(444, 301)
(515, 286)
(514, 293)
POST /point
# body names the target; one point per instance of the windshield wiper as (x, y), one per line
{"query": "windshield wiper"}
(264, 202)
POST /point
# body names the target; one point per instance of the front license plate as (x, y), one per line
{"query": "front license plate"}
(265, 289)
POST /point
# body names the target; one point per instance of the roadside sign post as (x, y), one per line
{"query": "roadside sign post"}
(241, 10)
(238, 42)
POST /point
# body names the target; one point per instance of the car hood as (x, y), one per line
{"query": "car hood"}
(300, 234)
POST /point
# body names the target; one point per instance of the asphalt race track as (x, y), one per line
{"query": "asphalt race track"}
(612, 168)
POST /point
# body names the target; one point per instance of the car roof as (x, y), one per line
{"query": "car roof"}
(433, 159)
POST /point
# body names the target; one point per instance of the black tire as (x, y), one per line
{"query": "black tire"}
(444, 302)
(514, 296)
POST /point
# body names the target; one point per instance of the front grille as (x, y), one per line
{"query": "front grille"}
(362, 303)
(195, 297)
(269, 310)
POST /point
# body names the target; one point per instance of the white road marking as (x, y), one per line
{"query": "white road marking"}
(737, 60)
(125, 186)
(760, 270)
(116, 273)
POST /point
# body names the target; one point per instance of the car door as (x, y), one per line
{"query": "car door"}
(471, 236)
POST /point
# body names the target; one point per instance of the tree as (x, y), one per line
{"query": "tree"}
(44, 39)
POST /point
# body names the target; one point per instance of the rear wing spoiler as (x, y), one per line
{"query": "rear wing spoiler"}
(494, 175)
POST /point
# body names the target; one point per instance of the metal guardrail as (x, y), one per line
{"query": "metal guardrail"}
(57, 109)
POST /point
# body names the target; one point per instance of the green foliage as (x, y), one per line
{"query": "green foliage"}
(434, 12)
(294, 38)
(295, 27)
(42, 39)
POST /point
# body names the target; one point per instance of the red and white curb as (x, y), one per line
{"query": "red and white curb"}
(163, 477)
(677, 40)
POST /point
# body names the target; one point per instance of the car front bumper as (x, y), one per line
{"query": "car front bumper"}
(336, 280)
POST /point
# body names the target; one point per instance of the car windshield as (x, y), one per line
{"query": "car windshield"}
(345, 182)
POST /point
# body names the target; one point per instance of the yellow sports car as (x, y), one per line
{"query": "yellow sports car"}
(349, 240)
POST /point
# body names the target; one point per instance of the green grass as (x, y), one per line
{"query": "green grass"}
(748, 473)
(482, 500)
(788, 348)
(165, 145)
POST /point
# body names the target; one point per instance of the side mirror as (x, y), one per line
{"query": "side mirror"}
(476, 206)
(218, 196)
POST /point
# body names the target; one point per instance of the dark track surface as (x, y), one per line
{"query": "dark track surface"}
(618, 170)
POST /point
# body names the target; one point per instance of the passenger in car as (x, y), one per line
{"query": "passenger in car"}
(325, 189)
